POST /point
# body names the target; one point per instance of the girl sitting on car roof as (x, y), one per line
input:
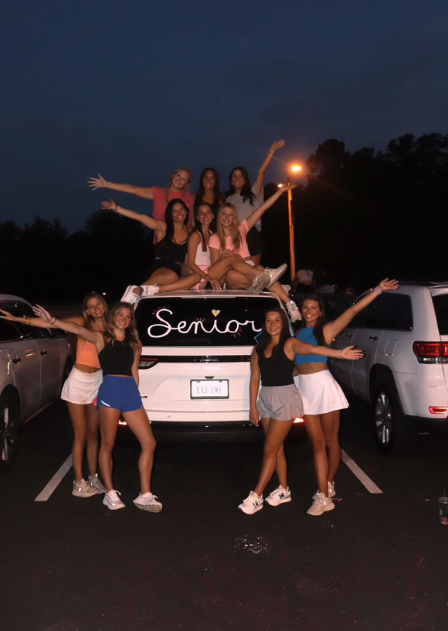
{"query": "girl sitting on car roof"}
(230, 239)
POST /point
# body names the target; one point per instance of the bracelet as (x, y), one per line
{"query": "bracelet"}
(27, 321)
(53, 320)
(116, 207)
(378, 290)
(340, 354)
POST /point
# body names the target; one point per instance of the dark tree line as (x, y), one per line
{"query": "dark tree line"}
(368, 214)
(361, 216)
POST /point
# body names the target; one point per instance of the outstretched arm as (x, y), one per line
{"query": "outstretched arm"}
(91, 336)
(40, 323)
(140, 191)
(153, 224)
(294, 347)
(255, 216)
(254, 385)
(331, 329)
(277, 144)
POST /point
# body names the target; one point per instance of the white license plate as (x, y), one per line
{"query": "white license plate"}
(209, 389)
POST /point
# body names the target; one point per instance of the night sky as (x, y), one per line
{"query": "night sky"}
(133, 89)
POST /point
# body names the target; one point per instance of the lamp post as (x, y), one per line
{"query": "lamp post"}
(295, 168)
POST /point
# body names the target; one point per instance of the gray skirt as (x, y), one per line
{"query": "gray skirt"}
(282, 403)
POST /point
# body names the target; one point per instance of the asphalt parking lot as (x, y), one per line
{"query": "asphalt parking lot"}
(376, 562)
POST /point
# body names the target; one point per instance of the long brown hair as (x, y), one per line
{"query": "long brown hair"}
(88, 319)
(318, 328)
(235, 235)
(131, 334)
(265, 339)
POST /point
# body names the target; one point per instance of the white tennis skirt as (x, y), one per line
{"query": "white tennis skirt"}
(81, 387)
(320, 392)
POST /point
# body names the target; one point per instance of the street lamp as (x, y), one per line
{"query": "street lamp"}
(294, 169)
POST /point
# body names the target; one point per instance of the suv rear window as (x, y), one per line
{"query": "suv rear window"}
(389, 311)
(441, 309)
(202, 321)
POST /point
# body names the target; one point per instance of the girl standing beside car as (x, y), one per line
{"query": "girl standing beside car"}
(322, 396)
(119, 350)
(279, 401)
(80, 391)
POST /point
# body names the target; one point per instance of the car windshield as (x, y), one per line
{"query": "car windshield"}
(202, 321)
(441, 309)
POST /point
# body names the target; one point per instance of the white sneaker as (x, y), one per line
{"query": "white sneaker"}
(293, 310)
(150, 290)
(279, 496)
(331, 490)
(96, 483)
(251, 504)
(130, 296)
(260, 282)
(276, 273)
(148, 501)
(82, 489)
(112, 501)
(320, 505)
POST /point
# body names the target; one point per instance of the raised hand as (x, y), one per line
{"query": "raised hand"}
(42, 313)
(349, 352)
(6, 315)
(108, 205)
(388, 285)
(277, 144)
(97, 182)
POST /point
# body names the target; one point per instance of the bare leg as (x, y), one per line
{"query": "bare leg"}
(222, 266)
(184, 282)
(316, 433)
(277, 289)
(331, 423)
(93, 426)
(109, 418)
(275, 436)
(78, 417)
(281, 467)
(139, 424)
(237, 280)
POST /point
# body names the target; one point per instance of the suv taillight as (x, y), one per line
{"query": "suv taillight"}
(147, 362)
(431, 352)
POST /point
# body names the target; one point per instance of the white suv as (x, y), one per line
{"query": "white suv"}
(195, 364)
(405, 371)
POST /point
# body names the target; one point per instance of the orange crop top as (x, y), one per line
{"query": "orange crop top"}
(86, 354)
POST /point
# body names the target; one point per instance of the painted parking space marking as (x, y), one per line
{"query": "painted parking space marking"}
(359, 473)
(53, 484)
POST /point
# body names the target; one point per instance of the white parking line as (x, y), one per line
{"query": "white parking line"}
(359, 473)
(46, 492)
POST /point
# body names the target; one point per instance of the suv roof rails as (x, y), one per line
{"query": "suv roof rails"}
(425, 283)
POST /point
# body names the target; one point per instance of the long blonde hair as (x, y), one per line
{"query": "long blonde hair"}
(88, 319)
(131, 331)
(235, 235)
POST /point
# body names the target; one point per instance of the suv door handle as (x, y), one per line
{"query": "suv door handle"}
(16, 360)
(43, 353)
(373, 337)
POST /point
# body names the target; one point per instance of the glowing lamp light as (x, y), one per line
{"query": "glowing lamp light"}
(281, 185)
(296, 168)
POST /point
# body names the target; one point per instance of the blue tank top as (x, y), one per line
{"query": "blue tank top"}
(307, 336)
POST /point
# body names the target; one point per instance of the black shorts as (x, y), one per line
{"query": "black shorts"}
(254, 242)
(158, 263)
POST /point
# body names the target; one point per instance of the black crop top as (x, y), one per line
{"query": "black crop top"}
(171, 251)
(276, 370)
(117, 358)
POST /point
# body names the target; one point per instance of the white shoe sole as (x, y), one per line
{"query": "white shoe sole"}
(150, 508)
(278, 502)
(78, 494)
(325, 509)
(114, 507)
